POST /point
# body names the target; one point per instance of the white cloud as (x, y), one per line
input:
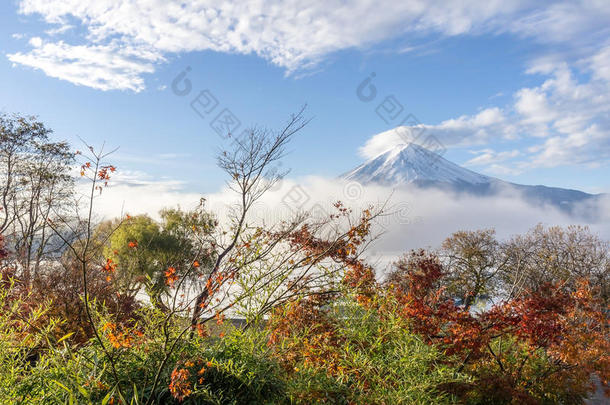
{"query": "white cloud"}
(102, 67)
(563, 121)
(291, 34)
(475, 129)
(573, 112)
(533, 106)
(36, 42)
(600, 64)
(489, 156)
(564, 21)
(133, 192)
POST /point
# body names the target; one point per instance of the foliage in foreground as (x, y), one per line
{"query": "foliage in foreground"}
(477, 322)
(340, 352)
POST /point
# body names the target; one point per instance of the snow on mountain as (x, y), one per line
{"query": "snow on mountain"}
(411, 164)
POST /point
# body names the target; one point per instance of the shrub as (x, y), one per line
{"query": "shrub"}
(338, 351)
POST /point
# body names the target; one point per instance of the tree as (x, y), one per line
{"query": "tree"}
(559, 256)
(250, 168)
(540, 346)
(142, 250)
(295, 258)
(472, 261)
(35, 187)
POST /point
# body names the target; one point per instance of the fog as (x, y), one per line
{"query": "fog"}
(414, 217)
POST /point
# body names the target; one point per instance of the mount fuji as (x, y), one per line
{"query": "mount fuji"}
(413, 165)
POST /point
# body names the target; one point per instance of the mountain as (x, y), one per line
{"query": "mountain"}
(411, 164)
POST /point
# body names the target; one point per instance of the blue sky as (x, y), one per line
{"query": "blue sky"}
(510, 90)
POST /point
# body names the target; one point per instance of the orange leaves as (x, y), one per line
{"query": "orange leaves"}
(584, 337)
(102, 173)
(109, 267)
(180, 386)
(196, 264)
(108, 326)
(220, 318)
(132, 244)
(120, 337)
(95, 172)
(170, 276)
(186, 375)
(202, 330)
(318, 340)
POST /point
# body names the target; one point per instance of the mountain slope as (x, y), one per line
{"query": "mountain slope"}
(414, 165)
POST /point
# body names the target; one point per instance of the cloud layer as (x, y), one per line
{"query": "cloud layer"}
(414, 217)
(290, 34)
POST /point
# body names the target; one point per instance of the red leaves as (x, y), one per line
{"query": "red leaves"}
(535, 317)
(560, 330)
(132, 244)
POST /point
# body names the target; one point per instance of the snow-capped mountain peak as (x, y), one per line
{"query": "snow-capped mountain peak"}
(411, 163)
